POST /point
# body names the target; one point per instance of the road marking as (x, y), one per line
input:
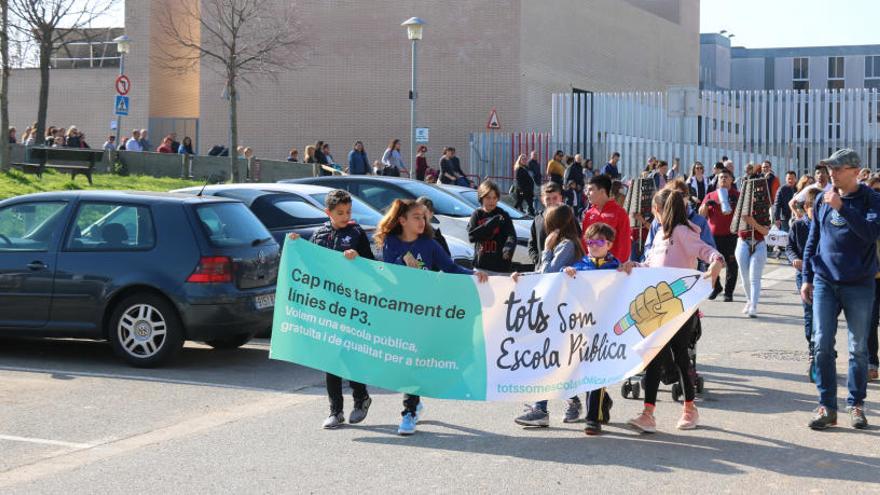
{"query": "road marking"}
(43, 441)
(122, 376)
(200, 423)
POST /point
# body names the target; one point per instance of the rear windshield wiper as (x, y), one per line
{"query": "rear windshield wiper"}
(257, 242)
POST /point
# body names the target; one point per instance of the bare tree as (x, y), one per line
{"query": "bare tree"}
(49, 23)
(241, 40)
(4, 82)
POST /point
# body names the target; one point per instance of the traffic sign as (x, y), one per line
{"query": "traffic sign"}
(121, 105)
(123, 85)
(493, 123)
(422, 135)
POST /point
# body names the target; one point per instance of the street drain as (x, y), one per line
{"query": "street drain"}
(781, 355)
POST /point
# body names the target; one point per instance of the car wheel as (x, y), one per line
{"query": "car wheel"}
(233, 342)
(145, 330)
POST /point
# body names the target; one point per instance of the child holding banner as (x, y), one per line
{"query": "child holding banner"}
(562, 248)
(341, 234)
(677, 245)
(491, 230)
(406, 238)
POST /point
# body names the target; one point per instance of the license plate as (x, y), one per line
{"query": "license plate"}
(264, 301)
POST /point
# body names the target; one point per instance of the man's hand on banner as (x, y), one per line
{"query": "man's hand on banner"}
(293, 236)
(654, 307)
(627, 267)
(350, 254)
(482, 277)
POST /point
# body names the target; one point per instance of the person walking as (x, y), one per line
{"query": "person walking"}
(555, 168)
(840, 262)
(134, 143)
(603, 209)
(610, 169)
(421, 162)
(698, 182)
(718, 207)
(392, 158)
(525, 186)
(575, 173)
(781, 209)
(358, 163)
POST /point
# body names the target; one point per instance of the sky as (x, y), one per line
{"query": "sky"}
(791, 23)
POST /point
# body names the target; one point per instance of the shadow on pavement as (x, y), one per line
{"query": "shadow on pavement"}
(661, 452)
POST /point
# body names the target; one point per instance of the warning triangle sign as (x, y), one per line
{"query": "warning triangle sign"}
(493, 122)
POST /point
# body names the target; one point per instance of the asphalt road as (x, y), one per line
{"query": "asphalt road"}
(74, 419)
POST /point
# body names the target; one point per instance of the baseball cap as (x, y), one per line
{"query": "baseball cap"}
(843, 158)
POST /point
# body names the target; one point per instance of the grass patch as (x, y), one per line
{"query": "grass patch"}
(16, 183)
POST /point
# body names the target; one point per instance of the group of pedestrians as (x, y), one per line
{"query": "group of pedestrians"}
(55, 137)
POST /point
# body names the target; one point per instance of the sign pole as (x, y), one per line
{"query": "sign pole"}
(119, 117)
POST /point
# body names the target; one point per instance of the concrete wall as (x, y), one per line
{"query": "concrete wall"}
(172, 93)
(747, 73)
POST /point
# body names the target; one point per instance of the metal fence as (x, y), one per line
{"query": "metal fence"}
(491, 155)
(793, 129)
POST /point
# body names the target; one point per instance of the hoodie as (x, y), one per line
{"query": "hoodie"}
(840, 247)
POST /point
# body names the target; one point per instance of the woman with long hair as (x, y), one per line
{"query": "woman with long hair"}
(392, 158)
(525, 185)
(698, 182)
(677, 245)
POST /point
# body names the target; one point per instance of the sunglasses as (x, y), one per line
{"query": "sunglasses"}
(596, 242)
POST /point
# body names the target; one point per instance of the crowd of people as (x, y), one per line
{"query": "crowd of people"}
(71, 137)
(831, 219)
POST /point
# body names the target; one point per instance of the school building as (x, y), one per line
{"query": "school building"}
(476, 55)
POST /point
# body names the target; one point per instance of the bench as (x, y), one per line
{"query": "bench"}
(69, 160)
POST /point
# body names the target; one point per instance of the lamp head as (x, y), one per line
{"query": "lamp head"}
(414, 27)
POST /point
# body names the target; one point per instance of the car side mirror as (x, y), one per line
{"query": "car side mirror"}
(434, 220)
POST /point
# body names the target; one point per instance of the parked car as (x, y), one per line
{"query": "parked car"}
(462, 252)
(452, 211)
(146, 271)
(521, 221)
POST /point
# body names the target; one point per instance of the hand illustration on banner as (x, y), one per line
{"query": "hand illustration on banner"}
(655, 306)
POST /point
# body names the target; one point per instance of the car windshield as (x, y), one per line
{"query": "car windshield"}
(231, 225)
(471, 197)
(361, 212)
(444, 202)
(302, 213)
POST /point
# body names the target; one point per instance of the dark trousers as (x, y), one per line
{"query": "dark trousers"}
(726, 245)
(410, 403)
(678, 346)
(808, 313)
(529, 199)
(872, 330)
(597, 402)
(334, 392)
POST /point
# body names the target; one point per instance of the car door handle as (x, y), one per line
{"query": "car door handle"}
(36, 265)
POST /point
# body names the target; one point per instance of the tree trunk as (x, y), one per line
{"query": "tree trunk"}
(233, 129)
(4, 82)
(43, 104)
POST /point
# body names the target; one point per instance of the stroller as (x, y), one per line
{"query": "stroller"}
(632, 386)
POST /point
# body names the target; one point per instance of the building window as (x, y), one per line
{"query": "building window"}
(835, 84)
(872, 72)
(835, 67)
(800, 78)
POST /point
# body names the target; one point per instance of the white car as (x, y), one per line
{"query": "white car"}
(462, 252)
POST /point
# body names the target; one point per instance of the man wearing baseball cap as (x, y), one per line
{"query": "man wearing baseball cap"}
(840, 262)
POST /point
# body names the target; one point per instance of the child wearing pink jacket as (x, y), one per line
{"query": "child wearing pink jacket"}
(679, 249)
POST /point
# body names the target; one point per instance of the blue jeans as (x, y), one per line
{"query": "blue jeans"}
(808, 312)
(856, 301)
(751, 267)
(873, 358)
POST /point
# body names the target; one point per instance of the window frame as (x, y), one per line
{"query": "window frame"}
(68, 235)
(53, 240)
(832, 69)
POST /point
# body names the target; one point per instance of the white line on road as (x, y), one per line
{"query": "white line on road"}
(43, 441)
(197, 424)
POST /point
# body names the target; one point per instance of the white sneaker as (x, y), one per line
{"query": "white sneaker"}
(753, 312)
(747, 308)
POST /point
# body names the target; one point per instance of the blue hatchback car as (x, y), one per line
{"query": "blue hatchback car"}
(146, 271)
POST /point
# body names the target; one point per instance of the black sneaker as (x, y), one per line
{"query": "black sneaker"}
(728, 298)
(593, 428)
(857, 417)
(573, 411)
(714, 294)
(823, 419)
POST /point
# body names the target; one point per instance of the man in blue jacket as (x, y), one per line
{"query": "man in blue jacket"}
(840, 262)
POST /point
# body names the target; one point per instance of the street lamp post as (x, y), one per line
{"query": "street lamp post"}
(413, 27)
(123, 45)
